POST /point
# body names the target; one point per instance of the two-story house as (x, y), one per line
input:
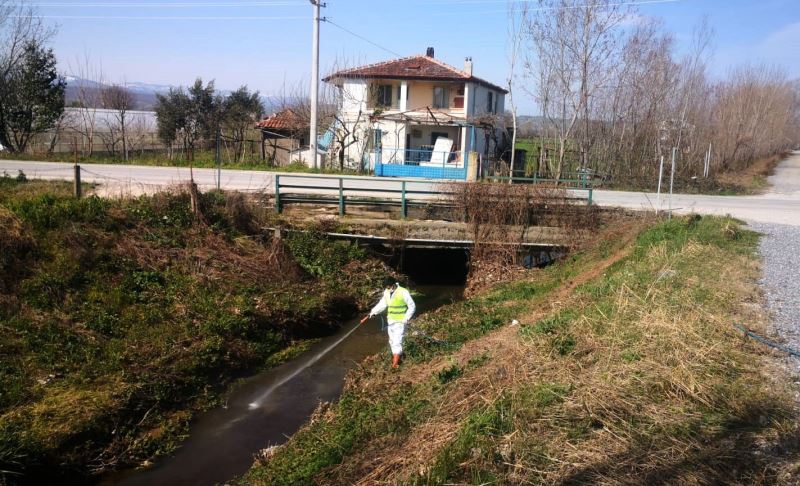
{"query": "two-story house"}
(417, 116)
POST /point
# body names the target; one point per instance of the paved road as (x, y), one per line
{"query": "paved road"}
(781, 204)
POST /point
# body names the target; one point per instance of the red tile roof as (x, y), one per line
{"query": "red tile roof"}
(283, 120)
(415, 67)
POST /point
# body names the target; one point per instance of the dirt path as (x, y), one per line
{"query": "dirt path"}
(786, 179)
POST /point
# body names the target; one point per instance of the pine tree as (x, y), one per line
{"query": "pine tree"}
(31, 97)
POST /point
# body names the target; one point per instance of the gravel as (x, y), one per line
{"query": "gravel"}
(780, 251)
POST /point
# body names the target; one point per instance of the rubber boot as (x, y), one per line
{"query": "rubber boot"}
(395, 360)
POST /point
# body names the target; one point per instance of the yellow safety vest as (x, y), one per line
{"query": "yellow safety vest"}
(396, 304)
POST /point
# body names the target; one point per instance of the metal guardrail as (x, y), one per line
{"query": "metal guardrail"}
(338, 192)
(343, 194)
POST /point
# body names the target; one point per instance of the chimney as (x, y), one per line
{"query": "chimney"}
(468, 65)
(429, 53)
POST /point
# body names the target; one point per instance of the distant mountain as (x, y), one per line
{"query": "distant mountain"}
(145, 93)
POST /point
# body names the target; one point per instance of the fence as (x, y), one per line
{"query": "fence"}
(344, 191)
(424, 163)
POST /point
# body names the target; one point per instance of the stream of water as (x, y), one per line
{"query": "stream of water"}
(269, 407)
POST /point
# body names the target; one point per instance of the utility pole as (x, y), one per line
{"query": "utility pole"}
(314, 80)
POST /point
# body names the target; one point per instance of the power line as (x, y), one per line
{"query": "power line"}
(106, 4)
(536, 9)
(128, 17)
(360, 37)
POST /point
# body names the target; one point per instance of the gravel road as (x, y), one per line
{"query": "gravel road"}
(780, 253)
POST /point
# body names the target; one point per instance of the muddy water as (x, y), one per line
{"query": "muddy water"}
(271, 406)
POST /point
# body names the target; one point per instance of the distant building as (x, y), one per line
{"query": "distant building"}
(284, 137)
(98, 131)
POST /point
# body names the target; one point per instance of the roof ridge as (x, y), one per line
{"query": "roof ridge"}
(371, 65)
(448, 66)
(454, 72)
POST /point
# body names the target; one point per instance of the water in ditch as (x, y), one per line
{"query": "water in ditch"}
(270, 407)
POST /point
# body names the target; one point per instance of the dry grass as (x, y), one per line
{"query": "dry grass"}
(500, 215)
(629, 372)
(752, 179)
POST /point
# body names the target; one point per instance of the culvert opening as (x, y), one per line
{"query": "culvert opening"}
(450, 266)
(434, 266)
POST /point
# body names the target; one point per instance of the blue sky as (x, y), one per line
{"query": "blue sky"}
(266, 43)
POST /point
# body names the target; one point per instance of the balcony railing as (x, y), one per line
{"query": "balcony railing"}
(422, 156)
(428, 163)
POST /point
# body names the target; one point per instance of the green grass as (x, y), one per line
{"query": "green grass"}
(120, 319)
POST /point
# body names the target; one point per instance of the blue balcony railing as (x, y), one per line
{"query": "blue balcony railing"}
(424, 162)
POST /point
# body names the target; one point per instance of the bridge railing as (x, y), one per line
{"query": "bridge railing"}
(344, 190)
(581, 183)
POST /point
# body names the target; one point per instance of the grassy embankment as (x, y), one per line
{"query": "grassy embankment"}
(625, 369)
(752, 180)
(120, 319)
(203, 159)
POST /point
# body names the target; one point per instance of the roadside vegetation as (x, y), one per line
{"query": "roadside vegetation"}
(625, 368)
(121, 318)
(750, 179)
(615, 99)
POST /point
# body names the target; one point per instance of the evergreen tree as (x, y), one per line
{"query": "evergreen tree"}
(31, 97)
(188, 116)
(241, 111)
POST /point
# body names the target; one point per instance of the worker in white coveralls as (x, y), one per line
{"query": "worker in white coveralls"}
(400, 307)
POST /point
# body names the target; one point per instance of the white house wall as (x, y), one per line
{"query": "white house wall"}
(354, 102)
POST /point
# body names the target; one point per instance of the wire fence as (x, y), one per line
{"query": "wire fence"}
(250, 149)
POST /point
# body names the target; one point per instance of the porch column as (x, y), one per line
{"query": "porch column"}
(404, 96)
(464, 142)
(467, 101)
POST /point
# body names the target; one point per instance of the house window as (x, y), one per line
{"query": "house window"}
(441, 97)
(490, 102)
(383, 95)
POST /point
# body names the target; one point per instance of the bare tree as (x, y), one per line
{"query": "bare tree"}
(88, 91)
(119, 99)
(23, 57)
(515, 27)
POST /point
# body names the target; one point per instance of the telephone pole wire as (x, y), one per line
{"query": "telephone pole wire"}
(314, 81)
